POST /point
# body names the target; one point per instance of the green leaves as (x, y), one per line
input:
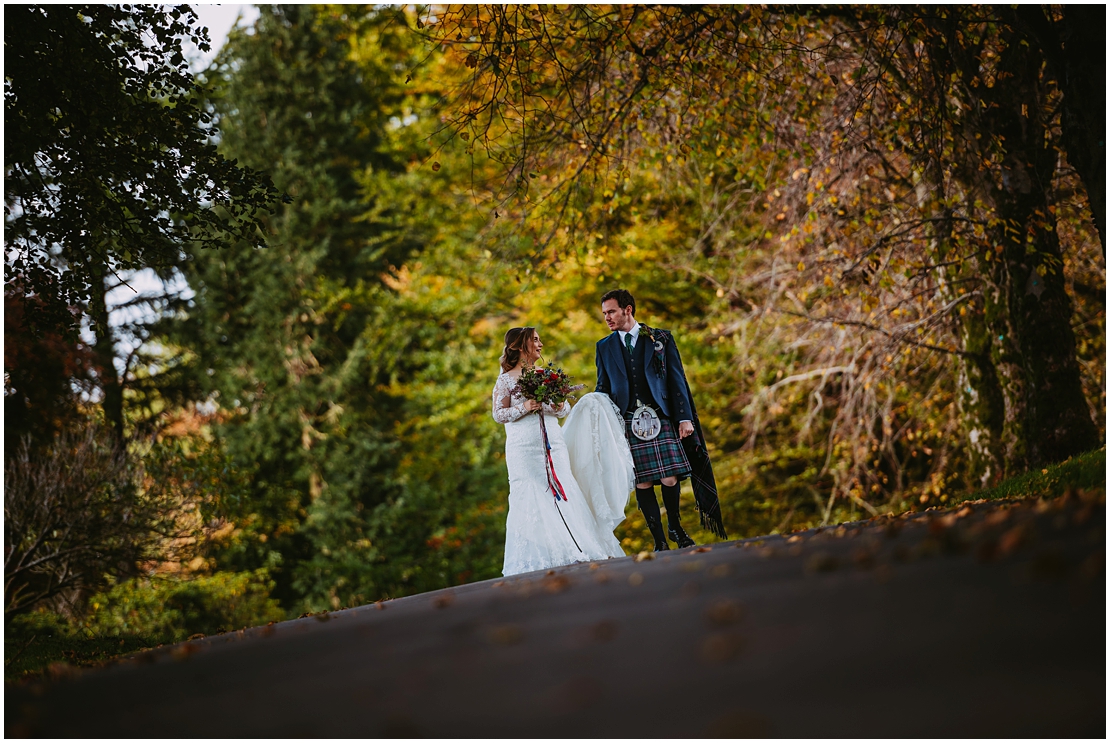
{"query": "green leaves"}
(107, 161)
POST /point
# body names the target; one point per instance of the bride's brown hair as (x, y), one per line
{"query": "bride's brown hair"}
(517, 341)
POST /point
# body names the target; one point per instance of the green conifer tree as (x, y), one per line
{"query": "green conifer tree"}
(283, 337)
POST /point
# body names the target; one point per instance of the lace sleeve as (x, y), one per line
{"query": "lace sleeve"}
(503, 409)
(560, 412)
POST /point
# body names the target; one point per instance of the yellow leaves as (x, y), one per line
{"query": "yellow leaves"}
(829, 282)
(801, 266)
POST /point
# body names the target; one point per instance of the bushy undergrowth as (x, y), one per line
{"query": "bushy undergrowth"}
(173, 609)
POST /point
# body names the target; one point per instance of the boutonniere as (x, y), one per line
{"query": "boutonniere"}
(658, 342)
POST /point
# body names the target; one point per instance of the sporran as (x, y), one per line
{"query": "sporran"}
(645, 423)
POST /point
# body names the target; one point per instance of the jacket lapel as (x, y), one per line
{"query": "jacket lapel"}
(616, 353)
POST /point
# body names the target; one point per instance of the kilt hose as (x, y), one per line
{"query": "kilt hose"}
(661, 457)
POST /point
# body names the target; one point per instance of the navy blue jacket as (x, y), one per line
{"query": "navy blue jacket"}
(670, 393)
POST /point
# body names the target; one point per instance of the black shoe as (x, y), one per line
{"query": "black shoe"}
(680, 537)
(656, 530)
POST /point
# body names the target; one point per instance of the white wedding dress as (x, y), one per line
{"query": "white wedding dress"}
(540, 533)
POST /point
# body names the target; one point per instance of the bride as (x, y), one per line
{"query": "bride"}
(541, 532)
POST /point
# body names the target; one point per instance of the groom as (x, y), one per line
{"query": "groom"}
(640, 369)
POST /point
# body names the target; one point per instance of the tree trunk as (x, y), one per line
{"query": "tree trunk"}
(979, 395)
(104, 352)
(1075, 50)
(1032, 312)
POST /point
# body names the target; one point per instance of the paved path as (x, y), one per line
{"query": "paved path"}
(986, 621)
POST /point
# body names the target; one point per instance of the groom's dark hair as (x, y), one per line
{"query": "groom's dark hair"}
(623, 296)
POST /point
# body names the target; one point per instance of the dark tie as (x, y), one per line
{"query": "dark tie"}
(628, 342)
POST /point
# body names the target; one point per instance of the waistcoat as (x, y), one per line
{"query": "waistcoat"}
(636, 366)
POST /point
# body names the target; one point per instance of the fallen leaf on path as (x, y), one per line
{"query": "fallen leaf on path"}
(181, 652)
(1011, 540)
(822, 562)
(1084, 514)
(644, 555)
(721, 647)
(60, 670)
(556, 584)
(863, 558)
(506, 634)
(604, 631)
(635, 579)
(986, 551)
(725, 612)
(1000, 516)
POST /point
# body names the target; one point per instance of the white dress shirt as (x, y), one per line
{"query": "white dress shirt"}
(635, 333)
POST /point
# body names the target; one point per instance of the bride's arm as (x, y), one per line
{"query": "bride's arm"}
(503, 409)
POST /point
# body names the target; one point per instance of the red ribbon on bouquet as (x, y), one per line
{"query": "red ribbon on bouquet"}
(552, 478)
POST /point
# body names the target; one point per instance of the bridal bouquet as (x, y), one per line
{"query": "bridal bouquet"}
(547, 385)
(550, 386)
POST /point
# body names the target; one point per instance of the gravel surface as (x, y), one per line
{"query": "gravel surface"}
(984, 621)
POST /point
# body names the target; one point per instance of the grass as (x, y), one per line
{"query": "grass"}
(37, 644)
(33, 656)
(1083, 472)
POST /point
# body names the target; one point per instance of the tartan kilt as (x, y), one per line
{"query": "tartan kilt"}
(661, 457)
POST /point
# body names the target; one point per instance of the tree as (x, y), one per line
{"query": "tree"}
(110, 163)
(287, 339)
(45, 371)
(1072, 39)
(962, 97)
(77, 515)
(781, 105)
